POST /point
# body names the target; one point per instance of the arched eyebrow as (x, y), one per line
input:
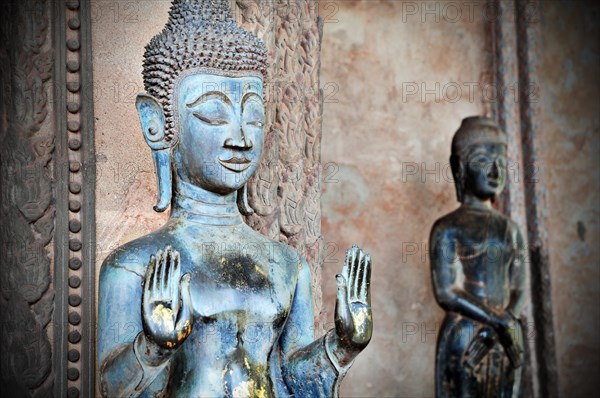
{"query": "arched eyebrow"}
(209, 95)
(248, 95)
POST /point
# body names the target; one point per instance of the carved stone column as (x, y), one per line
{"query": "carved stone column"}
(515, 29)
(27, 208)
(47, 333)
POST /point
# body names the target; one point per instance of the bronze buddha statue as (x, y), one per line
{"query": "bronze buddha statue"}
(478, 271)
(216, 309)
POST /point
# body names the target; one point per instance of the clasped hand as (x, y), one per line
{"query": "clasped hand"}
(508, 331)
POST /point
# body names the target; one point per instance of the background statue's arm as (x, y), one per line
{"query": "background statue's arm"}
(307, 369)
(511, 335)
(517, 273)
(127, 362)
(445, 269)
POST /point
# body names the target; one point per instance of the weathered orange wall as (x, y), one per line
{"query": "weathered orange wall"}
(126, 183)
(387, 151)
(386, 146)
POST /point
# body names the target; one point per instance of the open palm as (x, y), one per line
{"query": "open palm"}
(353, 318)
(166, 302)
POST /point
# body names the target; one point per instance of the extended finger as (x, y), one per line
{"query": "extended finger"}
(479, 353)
(174, 281)
(186, 312)
(355, 281)
(155, 290)
(352, 270)
(168, 270)
(146, 295)
(342, 297)
(361, 274)
(162, 271)
(149, 274)
(342, 308)
(366, 280)
(346, 263)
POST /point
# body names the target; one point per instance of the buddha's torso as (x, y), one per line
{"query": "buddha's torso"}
(242, 289)
(484, 251)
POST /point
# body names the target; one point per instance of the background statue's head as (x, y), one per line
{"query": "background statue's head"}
(203, 109)
(478, 158)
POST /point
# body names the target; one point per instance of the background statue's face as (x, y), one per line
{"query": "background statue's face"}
(221, 131)
(485, 169)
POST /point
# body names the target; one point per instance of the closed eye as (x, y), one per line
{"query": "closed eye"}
(256, 123)
(212, 122)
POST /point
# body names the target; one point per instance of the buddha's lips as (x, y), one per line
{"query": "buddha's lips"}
(493, 181)
(236, 164)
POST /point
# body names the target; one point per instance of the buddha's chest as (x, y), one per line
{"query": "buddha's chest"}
(236, 292)
(478, 249)
(484, 251)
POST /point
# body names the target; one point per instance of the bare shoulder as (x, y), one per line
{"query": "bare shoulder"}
(133, 256)
(512, 227)
(446, 224)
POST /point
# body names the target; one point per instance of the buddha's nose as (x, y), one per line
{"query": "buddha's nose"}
(494, 170)
(238, 141)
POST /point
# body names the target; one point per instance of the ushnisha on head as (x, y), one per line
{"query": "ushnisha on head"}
(201, 51)
(478, 158)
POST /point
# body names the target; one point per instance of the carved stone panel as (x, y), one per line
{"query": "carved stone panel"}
(27, 208)
(47, 200)
(285, 192)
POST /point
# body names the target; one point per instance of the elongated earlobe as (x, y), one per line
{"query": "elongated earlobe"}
(162, 165)
(242, 201)
(152, 119)
(458, 173)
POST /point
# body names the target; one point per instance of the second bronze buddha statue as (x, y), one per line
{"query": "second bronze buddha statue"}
(478, 272)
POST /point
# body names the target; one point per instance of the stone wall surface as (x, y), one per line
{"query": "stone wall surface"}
(570, 79)
(126, 182)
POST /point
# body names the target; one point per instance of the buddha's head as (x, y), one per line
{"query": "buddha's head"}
(478, 159)
(203, 112)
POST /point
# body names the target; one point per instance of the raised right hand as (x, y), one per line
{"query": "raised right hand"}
(167, 314)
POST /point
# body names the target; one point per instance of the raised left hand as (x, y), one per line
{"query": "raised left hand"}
(353, 318)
